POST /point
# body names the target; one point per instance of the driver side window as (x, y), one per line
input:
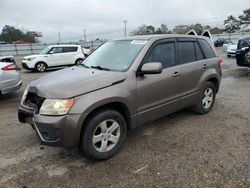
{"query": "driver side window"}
(56, 50)
(163, 53)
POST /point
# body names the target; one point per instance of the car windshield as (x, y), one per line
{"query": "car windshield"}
(45, 51)
(115, 55)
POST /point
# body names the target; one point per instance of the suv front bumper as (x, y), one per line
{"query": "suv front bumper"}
(58, 131)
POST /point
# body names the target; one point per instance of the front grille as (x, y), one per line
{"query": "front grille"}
(34, 101)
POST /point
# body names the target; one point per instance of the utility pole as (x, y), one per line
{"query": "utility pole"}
(59, 37)
(85, 37)
(125, 27)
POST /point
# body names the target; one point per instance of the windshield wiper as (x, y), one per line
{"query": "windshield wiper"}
(85, 66)
(100, 68)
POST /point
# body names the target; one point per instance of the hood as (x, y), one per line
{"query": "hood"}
(74, 81)
(35, 55)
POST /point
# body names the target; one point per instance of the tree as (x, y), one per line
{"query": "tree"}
(216, 30)
(11, 34)
(163, 29)
(181, 29)
(245, 18)
(197, 27)
(231, 24)
(144, 30)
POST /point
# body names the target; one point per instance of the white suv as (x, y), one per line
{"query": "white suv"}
(54, 56)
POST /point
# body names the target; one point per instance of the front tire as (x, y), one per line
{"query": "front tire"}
(104, 134)
(78, 61)
(40, 67)
(206, 99)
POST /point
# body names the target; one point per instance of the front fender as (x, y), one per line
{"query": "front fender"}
(87, 103)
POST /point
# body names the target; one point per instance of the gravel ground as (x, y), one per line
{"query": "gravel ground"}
(181, 150)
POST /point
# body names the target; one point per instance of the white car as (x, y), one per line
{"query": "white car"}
(10, 79)
(54, 56)
(231, 50)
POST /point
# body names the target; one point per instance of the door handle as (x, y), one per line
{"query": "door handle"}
(204, 66)
(176, 74)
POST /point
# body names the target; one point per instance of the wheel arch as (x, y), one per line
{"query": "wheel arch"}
(41, 62)
(117, 106)
(215, 81)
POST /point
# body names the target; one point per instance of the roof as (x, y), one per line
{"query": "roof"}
(157, 37)
(65, 45)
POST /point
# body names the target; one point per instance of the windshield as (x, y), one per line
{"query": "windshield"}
(115, 55)
(45, 51)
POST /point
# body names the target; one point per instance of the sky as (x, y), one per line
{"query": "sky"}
(103, 19)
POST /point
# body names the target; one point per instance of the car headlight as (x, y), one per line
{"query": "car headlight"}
(30, 59)
(56, 107)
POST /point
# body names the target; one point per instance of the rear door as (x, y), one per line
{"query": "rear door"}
(69, 54)
(195, 57)
(158, 95)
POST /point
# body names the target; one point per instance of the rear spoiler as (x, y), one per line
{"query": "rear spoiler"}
(205, 33)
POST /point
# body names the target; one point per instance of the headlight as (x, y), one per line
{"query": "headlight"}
(24, 96)
(30, 59)
(56, 107)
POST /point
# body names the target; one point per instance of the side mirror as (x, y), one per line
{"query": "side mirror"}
(151, 68)
(51, 52)
(245, 49)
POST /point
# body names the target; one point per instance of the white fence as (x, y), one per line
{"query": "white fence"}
(35, 48)
(234, 37)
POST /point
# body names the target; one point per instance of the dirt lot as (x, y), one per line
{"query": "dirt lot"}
(181, 150)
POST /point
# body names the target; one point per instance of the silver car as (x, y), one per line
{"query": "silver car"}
(10, 79)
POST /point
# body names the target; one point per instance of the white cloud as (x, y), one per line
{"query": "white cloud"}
(103, 18)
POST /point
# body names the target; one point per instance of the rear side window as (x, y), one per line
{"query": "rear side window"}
(163, 53)
(186, 52)
(69, 49)
(209, 53)
(199, 55)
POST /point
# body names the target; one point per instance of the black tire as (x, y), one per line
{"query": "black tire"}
(228, 55)
(200, 106)
(78, 61)
(92, 126)
(41, 67)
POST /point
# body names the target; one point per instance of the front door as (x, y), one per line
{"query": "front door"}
(56, 57)
(158, 95)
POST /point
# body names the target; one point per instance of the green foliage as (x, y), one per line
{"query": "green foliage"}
(245, 18)
(216, 30)
(232, 24)
(149, 30)
(11, 34)
(181, 29)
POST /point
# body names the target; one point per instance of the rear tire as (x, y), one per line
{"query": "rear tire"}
(41, 67)
(103, 135)
(206, 99)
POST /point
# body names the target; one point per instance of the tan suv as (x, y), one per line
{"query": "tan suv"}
(122, 85)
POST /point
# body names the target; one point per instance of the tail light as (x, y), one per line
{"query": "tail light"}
(9, 67)
(219, 60)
